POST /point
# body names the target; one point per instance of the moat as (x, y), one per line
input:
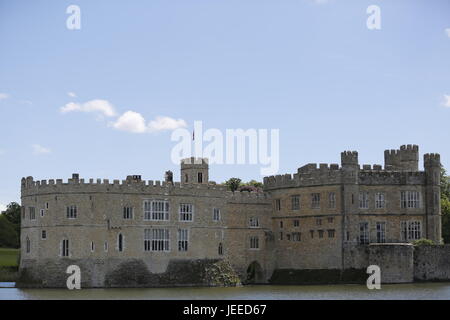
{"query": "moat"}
(413, 291)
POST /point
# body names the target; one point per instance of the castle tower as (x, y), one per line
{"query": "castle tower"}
(432, 164)
(404, 159)
(194, 170)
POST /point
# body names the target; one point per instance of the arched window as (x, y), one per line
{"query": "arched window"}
(200, 177)
(220, 249)
(120, 242)
(186, 179)
(28, 246)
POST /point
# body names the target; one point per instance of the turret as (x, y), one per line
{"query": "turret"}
(194, 170)
(432, 164)
(404, 159)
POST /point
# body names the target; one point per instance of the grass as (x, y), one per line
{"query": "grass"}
(8, 257)
(8, 264)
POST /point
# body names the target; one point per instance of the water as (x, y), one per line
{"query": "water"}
(421, 291)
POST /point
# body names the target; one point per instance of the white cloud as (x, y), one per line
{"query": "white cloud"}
(98, 106)
(131, 121)
(447, 31)
(38, 149)
(166, 123)
(320, 1)
(134, 122)
(446, 102)
(71, 94)
(3, 96)
(2, 207)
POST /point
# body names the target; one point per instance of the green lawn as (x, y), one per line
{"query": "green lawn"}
(8, 257)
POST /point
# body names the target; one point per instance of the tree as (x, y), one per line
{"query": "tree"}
(254, 183)
(233, 184)
(445, 205)
(9, 238)
(12, 213)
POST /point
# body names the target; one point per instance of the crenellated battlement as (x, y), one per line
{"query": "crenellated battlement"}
(31, 186)
(349, 158)
(404, 159)
(307, 175)
(432, 160)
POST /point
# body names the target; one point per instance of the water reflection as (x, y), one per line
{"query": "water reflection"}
(347, 292)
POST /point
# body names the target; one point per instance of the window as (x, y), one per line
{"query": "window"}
(281, 224)
(278, 204)
(410, 230)
(253, 222)
(32, 213)
(71, 212)
(43, 234)
(127, 213)
(254, 242)
(92, 246)
(330, 220)
(220, 249)
(105, 246)
(42, 212)
(156, 210)
(315, 200)
(186, 178)
(363, 200)
(65, 248)
(295, 201)
(379, 200)
(296, 223)
(318, 222)
(296, 236)
(120, 242)
(403, 231)
(216, 214)
(28, 245)
(381, 232)
(200, 177)
(410, 199)
(156, 240)
(288, 237)
(320, 233)
(363, 233)
(414, 230)
(331, 233)
(186, 212)
(183, 238)
(332, 200)
(311, 232)
(46, 205)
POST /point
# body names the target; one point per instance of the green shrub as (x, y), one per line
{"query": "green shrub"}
(423, 242)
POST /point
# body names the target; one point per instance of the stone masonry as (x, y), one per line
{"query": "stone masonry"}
(320, 220)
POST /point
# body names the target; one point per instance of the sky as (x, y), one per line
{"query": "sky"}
(103, 100)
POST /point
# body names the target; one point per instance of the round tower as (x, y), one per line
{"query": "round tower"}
(194, 170)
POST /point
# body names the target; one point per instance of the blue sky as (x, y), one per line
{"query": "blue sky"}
(311, 69)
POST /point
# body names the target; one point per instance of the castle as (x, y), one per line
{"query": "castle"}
(327, 221)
